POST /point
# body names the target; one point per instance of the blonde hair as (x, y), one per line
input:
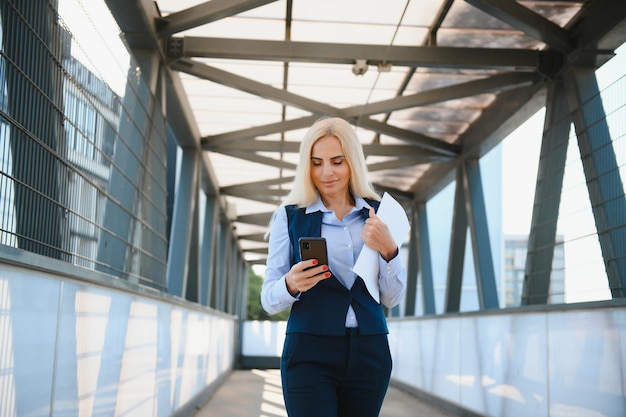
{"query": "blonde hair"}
(303, 192)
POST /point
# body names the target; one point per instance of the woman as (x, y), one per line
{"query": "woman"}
(336, 360)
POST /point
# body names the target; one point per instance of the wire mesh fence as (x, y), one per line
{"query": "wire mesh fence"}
(83, 163)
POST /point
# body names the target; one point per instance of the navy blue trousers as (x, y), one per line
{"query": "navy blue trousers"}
(335, 376)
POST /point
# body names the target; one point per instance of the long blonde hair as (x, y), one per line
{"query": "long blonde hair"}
(303, 192)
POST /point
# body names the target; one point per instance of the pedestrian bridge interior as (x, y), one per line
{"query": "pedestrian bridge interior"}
(145, 144)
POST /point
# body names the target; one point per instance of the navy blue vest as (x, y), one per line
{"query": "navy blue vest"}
(322, 309)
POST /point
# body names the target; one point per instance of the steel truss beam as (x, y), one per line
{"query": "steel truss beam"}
(542, 237)
(336, 53)
(182, 222)
(413, 265)
(458, 240)
(424, 261)
(527, 21)
(208, 249)
(479, 233)
(606, 189)
(204, 13)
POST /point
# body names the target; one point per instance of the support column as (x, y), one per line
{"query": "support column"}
(241, 295)
(233, 276)
(458, 239)
(425, 263)
(542, 237)
(151, 227)
(129, 165)
(208, 250)
(606, 189)
(182, 221)
(479, 232)
(413, 267)
(194, 286)
(222, 266)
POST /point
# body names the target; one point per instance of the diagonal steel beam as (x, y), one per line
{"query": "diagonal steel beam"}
(247, 85)
(529, 22)
(399, 151)
(497, 82)
(426, 142)
(262, 251)
(258, 131)
(258, 184)
(395, 164)
(204, 13)
(265, 197)
(252, 157)
(285, 97)
(256, 237)
(261, 219)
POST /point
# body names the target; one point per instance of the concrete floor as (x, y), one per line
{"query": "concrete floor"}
(257, 393)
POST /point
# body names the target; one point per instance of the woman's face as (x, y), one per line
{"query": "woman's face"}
(330, 171)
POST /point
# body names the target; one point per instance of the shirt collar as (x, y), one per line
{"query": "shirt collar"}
(359, 203)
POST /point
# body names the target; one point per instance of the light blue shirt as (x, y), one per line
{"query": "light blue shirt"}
(343, 239)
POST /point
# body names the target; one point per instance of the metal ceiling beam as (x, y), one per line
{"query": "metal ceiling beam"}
(261, 251)
(204, 13)
(254, 87)
(526, 20)
(258, 131)
(399, 151)
(255, 146)
(423, 147)
(136, 21)
(250, 193)
(252, 157)
(395, 164)
(263, 90)
(256, 237)
(258, 184)
(417, 139)
(265, 197)
(247, 85)
(601, 32)
(336, 53)
(260, 219)
(498, 82)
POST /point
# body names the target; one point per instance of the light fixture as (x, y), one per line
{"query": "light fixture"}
(360, 67)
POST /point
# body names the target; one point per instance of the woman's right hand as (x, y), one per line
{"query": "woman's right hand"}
(300, 279)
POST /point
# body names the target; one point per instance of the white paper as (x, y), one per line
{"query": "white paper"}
(393, 215)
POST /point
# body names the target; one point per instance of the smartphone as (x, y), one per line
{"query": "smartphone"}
(313, 248)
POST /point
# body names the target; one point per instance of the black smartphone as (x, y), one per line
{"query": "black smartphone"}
(313, 248)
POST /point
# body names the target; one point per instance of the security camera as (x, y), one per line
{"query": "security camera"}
(360, 67)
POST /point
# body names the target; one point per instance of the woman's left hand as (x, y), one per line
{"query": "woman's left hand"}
(376, 235)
